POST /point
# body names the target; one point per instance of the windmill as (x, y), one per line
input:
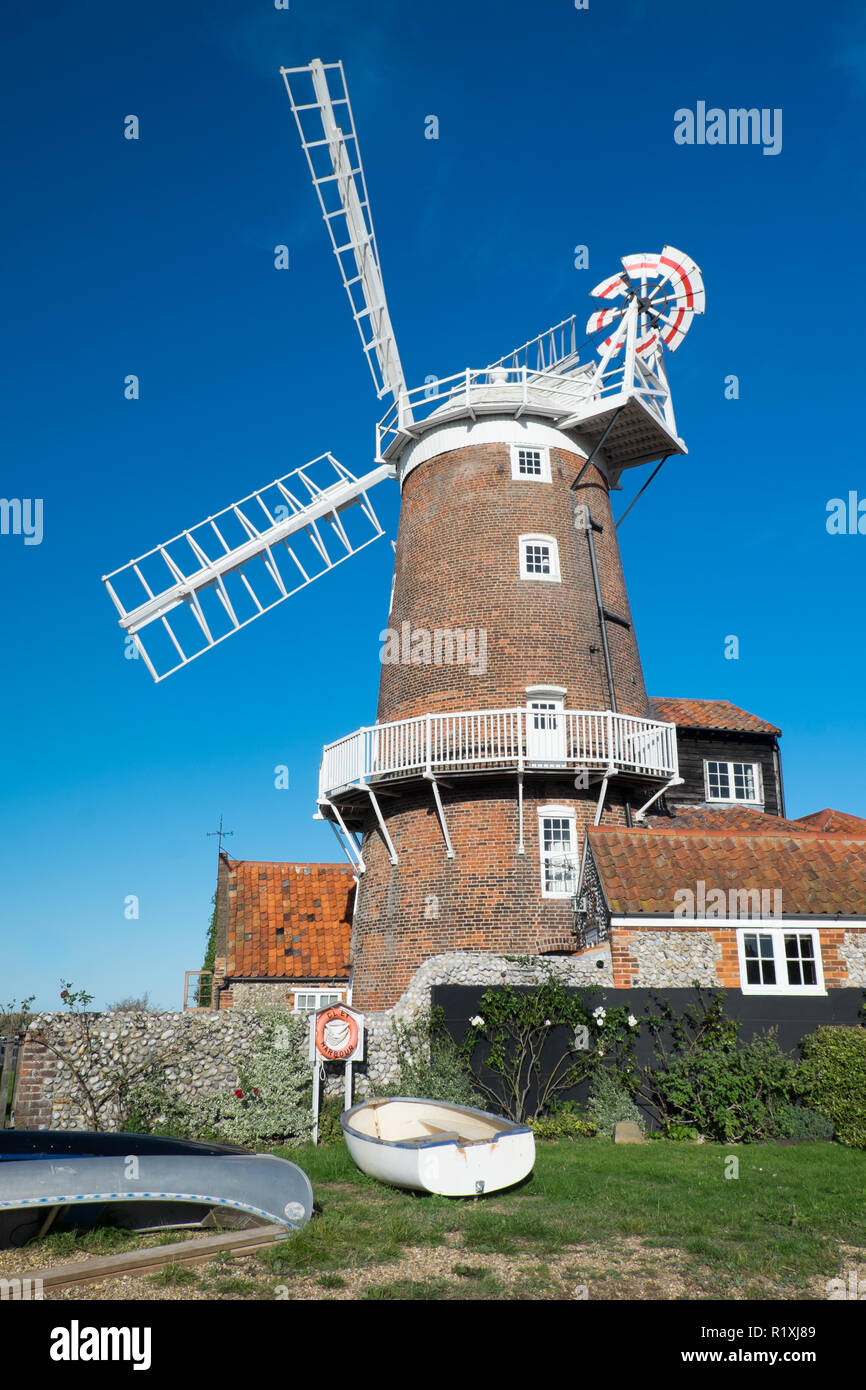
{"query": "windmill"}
(491, 462)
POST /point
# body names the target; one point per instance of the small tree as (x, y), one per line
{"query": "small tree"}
(101, 1073)
(204, 994)
(15, 1017)
(133, 1005)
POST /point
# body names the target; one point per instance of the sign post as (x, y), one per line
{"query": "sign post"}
(336, 1035)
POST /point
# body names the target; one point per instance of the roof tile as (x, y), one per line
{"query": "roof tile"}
(818, 875)
(708, 714)
(266, 901)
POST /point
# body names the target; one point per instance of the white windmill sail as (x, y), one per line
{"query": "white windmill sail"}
(320, 102)
(186, 596)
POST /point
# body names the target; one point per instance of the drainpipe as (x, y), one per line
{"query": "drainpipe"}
(780, 785)
(601, 622)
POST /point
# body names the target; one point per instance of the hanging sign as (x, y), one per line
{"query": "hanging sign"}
(337, 1034)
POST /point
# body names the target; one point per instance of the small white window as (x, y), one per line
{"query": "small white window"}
(557, 837)
(539, 558)
(734, 782)
(780, 960)
(530, 464)
(307, 1001)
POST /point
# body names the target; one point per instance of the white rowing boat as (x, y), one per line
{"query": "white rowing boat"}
(431, 1146)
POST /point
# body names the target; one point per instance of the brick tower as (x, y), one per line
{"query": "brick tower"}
(512, 709)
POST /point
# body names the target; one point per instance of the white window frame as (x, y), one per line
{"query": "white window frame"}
(730, 763)
(554, 577)
(556, 812)
(552, 697)
(331, 996)
(543, 476)
(777, 935)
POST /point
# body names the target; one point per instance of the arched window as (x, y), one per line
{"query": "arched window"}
(557, 840)
(539, 558)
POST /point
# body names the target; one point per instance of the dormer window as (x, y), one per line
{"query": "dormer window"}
(734, 782)
(530, 464)
(539, 558)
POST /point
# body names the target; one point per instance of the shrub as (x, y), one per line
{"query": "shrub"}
(728, 1093)
(147, 1106)
(565, 1122)
(799, 1122)
(430, 1063)
(608, 1104)
(683, 1133)
(330, 1110)
(272, 1101)
(833, 1080)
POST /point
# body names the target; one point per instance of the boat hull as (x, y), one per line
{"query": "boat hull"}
(51, 1180)
(429, 1146)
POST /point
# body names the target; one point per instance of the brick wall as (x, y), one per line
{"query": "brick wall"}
(457, 566)
(34, 1086)
(487, 898)
(654, 957)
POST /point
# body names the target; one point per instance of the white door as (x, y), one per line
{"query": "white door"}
(545, 731)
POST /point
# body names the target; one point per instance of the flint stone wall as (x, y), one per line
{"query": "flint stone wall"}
(201, 1051)
(853, 954)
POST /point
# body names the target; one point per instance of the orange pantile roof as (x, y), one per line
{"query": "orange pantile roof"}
(739, 820)
(288, 921)
(833, 822)
(818, 875)
(708, 714)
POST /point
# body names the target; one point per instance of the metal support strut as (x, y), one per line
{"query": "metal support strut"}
(345, 840)
(392, 853)
(440, 811)
(674, 782)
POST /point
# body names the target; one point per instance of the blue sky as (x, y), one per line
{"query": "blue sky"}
(155, 257)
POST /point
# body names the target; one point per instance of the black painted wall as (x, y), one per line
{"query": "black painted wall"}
(791, 1017)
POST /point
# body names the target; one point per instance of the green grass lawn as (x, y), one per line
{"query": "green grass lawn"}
(771, 1232)
(656, 1220)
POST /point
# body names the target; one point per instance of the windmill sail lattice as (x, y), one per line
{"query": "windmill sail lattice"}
(186, 596)
(327, 130)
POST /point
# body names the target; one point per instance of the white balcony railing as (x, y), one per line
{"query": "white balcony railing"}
(501, 738)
